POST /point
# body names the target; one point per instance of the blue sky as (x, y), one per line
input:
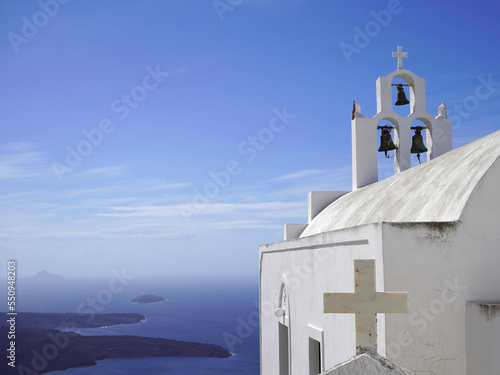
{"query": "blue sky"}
(174, 137)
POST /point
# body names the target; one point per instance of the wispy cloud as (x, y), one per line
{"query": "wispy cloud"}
(110, 170)
(18, 147)
(129, 187)
(114, 233)
(21, 195)
(22, 165)
(240, 224)
(299, 183)
(300, 174)
(269, 209)
(92, 207)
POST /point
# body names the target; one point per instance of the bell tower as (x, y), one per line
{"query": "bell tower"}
(364, 129)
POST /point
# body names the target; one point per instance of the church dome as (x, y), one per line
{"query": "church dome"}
(436, 191)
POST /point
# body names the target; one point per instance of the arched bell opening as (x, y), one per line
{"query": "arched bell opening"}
(388, 143)
(419, 141)
(402, 96)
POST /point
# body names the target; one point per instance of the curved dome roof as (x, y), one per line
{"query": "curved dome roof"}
(436, 191)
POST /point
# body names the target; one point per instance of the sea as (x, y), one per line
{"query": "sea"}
(215, 310)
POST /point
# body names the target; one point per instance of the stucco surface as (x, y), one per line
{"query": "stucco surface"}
(366, 364)
(436, 191)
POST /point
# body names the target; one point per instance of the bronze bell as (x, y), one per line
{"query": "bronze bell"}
(417, 145)
(386, 143)
(402, 100)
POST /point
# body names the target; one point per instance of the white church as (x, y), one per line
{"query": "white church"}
(398, 276)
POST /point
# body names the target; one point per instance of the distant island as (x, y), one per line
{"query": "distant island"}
(45, 276)
(35, 333)
(78, 351)
(148, 298)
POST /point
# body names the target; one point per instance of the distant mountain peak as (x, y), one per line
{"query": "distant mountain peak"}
(46, 276)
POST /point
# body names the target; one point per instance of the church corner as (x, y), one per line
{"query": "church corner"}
(397, 274)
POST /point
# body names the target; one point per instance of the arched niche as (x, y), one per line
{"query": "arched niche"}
(415, 92)
(283, 311)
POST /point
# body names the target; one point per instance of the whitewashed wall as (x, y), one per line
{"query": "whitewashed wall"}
(313, 266)
(442, 267)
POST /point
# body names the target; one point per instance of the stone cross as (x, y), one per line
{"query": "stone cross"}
(400, 54)
(366, 303)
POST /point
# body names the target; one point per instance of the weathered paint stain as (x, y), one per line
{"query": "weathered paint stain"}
(489, 311)
(441, 227)
(437, 232)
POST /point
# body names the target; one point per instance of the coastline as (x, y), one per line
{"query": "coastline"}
(34, 342)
